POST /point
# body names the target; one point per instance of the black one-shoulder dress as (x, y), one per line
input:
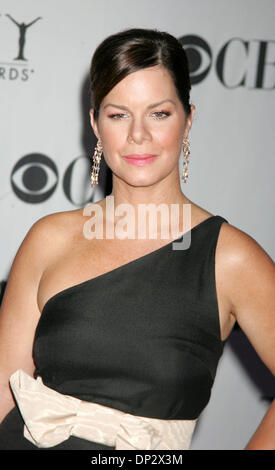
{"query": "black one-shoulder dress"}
(143, 338)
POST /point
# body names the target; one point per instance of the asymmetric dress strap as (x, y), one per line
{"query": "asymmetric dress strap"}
(143, 338)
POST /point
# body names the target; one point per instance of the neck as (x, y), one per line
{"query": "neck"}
(162, 195)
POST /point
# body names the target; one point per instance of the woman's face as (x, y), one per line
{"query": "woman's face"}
(130, 122)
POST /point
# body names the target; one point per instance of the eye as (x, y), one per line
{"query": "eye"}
(116, 116)
(161, 114)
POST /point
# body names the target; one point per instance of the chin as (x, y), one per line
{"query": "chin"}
(140, 181)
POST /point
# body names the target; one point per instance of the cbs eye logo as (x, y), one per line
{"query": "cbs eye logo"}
(199, 57)
(34, 179)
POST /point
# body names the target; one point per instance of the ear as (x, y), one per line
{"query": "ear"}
(94, 123)
(189, 121)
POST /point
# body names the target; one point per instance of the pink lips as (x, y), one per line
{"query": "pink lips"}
(140, 160)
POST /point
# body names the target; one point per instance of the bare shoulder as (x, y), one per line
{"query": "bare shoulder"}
(239, 248)
(54, 227)
(49, 235)
(57, 232)
(55, 221)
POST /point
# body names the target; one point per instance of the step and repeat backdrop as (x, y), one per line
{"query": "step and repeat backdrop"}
(47, 142)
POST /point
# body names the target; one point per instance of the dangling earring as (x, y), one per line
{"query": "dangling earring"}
(96, 163)
(186, 153)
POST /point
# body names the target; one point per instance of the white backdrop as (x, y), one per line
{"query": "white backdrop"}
(45, 141)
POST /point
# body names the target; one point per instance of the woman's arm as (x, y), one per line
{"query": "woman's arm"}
(19, 312)
(264, 436)
(250, 286)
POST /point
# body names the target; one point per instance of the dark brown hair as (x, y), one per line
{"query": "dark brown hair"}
(134, 49)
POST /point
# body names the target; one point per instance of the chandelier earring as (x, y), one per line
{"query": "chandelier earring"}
(186, 154)
(96, 163)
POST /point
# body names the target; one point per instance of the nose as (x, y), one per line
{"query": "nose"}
(138, 132)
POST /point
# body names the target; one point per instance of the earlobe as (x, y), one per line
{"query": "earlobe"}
(93, 123)
(193, 108)
(190, 119)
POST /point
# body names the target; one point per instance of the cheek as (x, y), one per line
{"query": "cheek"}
(169, 138)
(112, 139)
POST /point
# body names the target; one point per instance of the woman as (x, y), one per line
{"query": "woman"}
(121, 337)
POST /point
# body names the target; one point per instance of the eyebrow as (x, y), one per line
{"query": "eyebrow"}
(148, 107)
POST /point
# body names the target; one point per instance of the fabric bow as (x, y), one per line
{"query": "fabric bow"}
(51, 418)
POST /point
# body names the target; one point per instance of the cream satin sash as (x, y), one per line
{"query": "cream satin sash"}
(51, 418)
